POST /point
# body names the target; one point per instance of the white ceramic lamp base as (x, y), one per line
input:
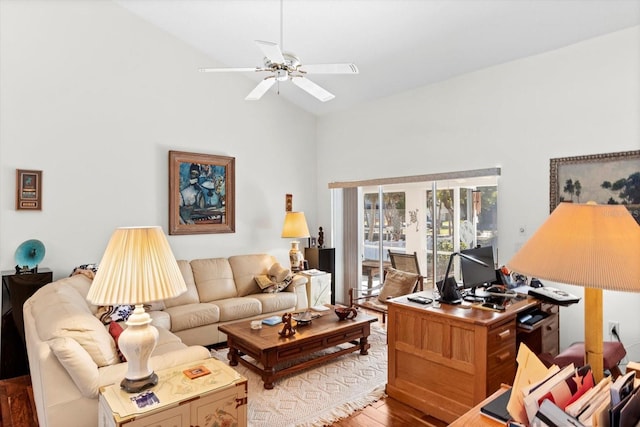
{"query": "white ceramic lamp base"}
(295, 257)
(136, 343)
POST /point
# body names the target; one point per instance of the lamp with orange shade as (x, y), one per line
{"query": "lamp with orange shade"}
(589, 245)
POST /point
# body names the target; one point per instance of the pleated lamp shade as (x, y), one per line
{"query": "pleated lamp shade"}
(590, 245)
(593, 246)
(137, 267)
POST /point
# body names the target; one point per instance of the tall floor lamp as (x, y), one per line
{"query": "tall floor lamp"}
(589, 245)
(137, 267)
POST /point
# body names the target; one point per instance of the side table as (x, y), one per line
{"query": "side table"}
(16, 289)
(218, 398)
(318, 288)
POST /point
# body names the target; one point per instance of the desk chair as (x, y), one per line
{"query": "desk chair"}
(395, 284)
(612, 354)
(404, 262)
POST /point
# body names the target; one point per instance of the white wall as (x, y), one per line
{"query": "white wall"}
(582, 99)
(95, 97)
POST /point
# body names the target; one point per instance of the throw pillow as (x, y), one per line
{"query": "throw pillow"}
(278, 273)
(275, 287)
(115, 329)
(114, 313)
(397, 283)
(279, 286)
(88, 270)
(263, 281)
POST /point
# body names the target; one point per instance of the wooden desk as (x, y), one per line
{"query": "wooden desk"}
(475, 418)
(445, 360)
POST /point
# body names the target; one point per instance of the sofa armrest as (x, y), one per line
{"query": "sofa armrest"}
(298, 280)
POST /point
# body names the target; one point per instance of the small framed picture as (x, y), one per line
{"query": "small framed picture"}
(198, 371)
(28, 190)
(288, 202)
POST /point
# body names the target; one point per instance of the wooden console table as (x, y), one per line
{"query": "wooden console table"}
(445, 360)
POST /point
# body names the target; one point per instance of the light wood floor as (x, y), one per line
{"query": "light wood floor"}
(18, 409)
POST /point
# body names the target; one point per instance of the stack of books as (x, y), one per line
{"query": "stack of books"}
(569, 396)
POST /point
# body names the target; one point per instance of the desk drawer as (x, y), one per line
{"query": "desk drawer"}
(501, 355)
(501, 337)
(550, 334)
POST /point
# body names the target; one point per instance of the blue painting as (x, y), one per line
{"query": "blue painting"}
(201, 198)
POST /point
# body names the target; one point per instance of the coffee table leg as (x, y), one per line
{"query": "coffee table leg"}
(233, 356)
(267, 377)
(364, 345)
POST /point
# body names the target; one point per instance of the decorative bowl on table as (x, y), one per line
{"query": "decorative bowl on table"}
(303, 318)
(344, 313)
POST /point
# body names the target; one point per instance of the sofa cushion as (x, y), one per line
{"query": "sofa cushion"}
(78, 364)
(160, 319)
(189, 297)
(70, 316)
(276, 302)
(238, 308)
(193, 315)
(246, 268)
(214, 279)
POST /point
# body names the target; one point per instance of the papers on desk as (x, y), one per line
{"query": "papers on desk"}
(569, 397)
(530, 371)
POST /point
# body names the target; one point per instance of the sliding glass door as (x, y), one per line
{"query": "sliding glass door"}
(405, 217)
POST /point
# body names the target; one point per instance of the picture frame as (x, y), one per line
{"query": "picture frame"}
(28, 190)
(602, 178)
(201, 193)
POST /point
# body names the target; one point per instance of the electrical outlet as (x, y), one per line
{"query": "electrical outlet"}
(612, 325)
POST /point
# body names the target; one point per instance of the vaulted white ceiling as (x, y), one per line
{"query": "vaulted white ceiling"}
(397, 44)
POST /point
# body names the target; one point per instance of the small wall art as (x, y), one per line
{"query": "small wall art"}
(28, 190)
(611, 178)
(201, 193)
(288, 202)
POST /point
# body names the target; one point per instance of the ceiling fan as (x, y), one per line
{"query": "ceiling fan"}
(284, 66)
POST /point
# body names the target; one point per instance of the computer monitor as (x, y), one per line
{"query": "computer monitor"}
(476, 274)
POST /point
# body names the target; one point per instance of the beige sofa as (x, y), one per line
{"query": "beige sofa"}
(71, 353)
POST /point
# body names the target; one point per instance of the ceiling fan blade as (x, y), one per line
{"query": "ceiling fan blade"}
(313, 89)
(330, 69)
(261, 89)
(225, 70)
(272, 51)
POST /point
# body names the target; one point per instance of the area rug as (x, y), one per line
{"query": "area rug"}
(320, 395)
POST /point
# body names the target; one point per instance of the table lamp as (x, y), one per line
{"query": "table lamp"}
(137, 267)
(295, 226)
(589, 245)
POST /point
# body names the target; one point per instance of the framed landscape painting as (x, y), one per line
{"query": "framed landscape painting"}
(201, 193)
(612, 178)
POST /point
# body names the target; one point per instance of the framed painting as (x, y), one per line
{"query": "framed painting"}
(201, 193)
(28, 190)
(612, 178)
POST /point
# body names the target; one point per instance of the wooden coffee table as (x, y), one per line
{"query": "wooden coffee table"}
(276, 356)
